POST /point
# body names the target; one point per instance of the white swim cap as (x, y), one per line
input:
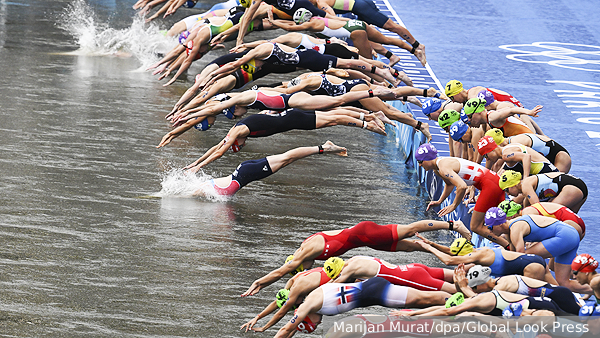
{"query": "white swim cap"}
(478, 275)
(302, 15)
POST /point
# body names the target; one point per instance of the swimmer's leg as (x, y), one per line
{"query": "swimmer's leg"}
(409, 230)
(277, 162)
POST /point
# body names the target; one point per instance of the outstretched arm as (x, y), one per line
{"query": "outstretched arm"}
(268, 310)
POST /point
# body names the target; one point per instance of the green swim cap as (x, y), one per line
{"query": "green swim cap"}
(474, 105)
(510, 208)
(456, 299)
(447, 117)
(282, 297)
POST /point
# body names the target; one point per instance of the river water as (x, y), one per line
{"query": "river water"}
(87, 251)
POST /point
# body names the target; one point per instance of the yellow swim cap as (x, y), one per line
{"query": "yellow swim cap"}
(453, 87)
(496, 134)
(298, 269)
(509, 178)
(333, 266)
(249, 67)
(461, 247)
(245, 3)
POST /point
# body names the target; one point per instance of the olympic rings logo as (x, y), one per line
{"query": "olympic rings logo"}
(558, 54)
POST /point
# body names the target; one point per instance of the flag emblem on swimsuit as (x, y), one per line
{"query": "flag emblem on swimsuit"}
(265, 168)
(549, 193)
(347, 294)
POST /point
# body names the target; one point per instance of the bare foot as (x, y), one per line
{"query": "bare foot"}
(380, 115)
(404, 78)
(394, 60)
(420, 54)
(375, 126)
(460, 227)
(329, 147)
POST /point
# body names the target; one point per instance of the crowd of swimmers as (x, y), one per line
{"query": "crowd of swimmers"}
(525, 200)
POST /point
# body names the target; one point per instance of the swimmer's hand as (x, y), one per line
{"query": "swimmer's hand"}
(270, 15)
(534, 112)
(425, 240)
(433, 204)
(404, 313)
(250, 324)
(446, 210)
(252, 290)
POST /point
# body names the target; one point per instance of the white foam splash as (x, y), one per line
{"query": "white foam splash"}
(144, 41)
(179, 183)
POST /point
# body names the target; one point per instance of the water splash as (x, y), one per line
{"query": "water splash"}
(179, 183)
(96, 38)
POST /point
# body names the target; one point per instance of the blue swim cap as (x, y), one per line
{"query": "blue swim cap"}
(203, 126)
(590, 309)
(183, 36)
(512, 310)
(431, 105)
(458, 130)
(189, 4)
(229, 112)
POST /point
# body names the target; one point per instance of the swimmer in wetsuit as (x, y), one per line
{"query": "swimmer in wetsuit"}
(263, 125)
(564, 189)
(418, 276)
(334, 298)
(322, 245)
(553, 239)
(478, 280)
(502, 262)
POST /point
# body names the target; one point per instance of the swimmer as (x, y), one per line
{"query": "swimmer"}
(367, 11)
(432, 108)
(554, 210)
(322, 245)
(502, 119)
(501, 262)
(478, 279)
(468, 138)
(553, 239)
(263, 125)
(455, 91)
(296, 289)
(554, 152)
(464, 174)
(584, 271)
(564, 189)
(418, 276)
(253, 170)
(279, 54)
(359, 32)
(335, 298)
(492, 303)
(515, 157)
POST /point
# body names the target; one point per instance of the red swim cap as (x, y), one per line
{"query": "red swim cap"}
(486, 144)
(584, 263)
